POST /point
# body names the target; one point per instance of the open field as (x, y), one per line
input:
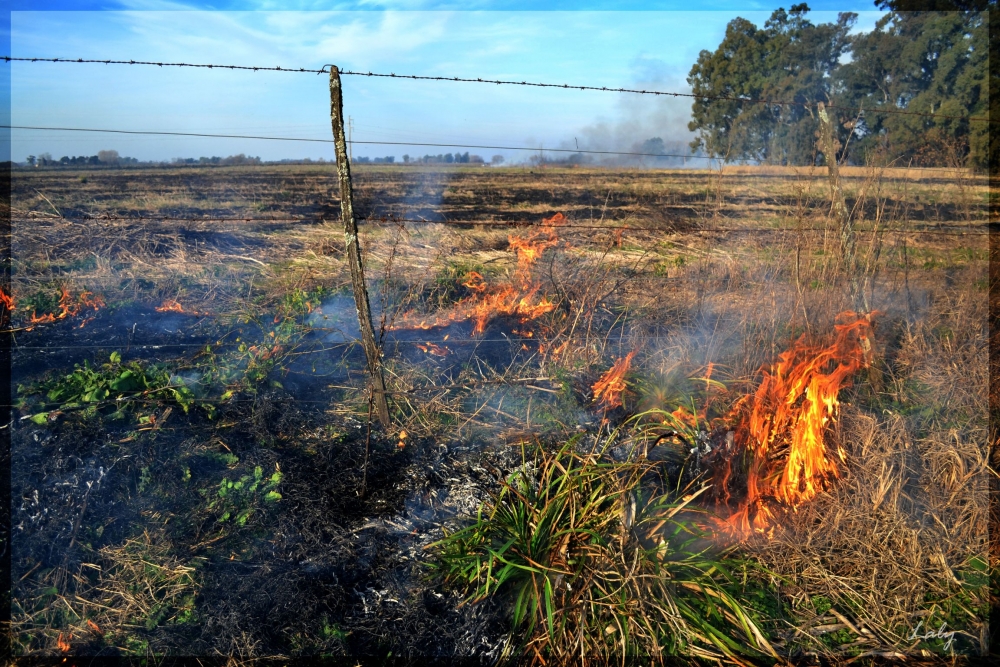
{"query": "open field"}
(207, 480)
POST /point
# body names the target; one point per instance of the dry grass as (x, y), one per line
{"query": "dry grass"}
(884, 544)
(132, 587)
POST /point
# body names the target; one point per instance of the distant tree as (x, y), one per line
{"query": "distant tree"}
(789, 59)
(653, 146)
(31, 160)
(936, 5)
(929, 61)
(449, 158)
(93, 159)
(496, 160)
(406, 159)
(108, 157)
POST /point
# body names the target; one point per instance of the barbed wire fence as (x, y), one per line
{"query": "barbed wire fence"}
(392, 219)
(963, 230)
(502, 82)
(530, 149)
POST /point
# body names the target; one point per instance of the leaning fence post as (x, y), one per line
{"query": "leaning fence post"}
(828, 145)
(372, 351)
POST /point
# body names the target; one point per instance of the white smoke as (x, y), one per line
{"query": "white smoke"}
(640, 119)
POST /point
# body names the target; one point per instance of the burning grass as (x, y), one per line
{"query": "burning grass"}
(857, 476)
(780, 432)
(609, 390)
(517, 297)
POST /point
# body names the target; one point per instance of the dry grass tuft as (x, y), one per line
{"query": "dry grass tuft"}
(133, 588)
(895, 541)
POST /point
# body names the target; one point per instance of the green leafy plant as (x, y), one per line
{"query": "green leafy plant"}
(591, 566)
(298, 302)
(42, 301)
(113, 385)
(239, 499)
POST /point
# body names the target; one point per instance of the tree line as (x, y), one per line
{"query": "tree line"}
(103, 158)
(928, 56)
(111, 158)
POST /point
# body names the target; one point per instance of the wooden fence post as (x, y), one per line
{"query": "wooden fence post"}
(372, 351)
(829, 145)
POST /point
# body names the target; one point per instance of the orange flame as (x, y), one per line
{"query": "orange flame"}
(518, 297)
(68, 307)
(436, 350)
(170, 306)
(475, 282)
(174, 306)
(64, 644)
(6, 300)
(554, 352)
(263, 353)
(782, 426)
(610, 388)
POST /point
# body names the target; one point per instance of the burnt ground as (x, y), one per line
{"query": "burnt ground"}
(336, 567)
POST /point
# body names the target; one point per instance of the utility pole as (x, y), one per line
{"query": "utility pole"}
(372, 351)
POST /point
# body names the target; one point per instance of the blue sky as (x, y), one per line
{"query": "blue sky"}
(650, 45)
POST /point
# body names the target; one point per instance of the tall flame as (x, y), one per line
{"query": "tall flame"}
(609, 390)
(781, 428)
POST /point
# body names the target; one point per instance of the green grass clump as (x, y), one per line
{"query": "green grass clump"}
(592, 566)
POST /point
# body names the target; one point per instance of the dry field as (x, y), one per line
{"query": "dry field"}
(195, 470)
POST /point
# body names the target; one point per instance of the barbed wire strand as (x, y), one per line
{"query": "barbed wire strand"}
(374, 143)
(531, 149)
(503, 82)
(389, 220)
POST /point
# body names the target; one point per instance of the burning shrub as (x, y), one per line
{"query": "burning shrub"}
(595, 566)
(770, 449)
(448, 286)
(781, 428)
(51, 307)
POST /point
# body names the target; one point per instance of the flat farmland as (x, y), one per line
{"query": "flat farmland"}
(195, 467)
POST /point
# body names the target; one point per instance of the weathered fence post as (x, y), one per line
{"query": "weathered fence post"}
(372, 351)
(829, 145)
